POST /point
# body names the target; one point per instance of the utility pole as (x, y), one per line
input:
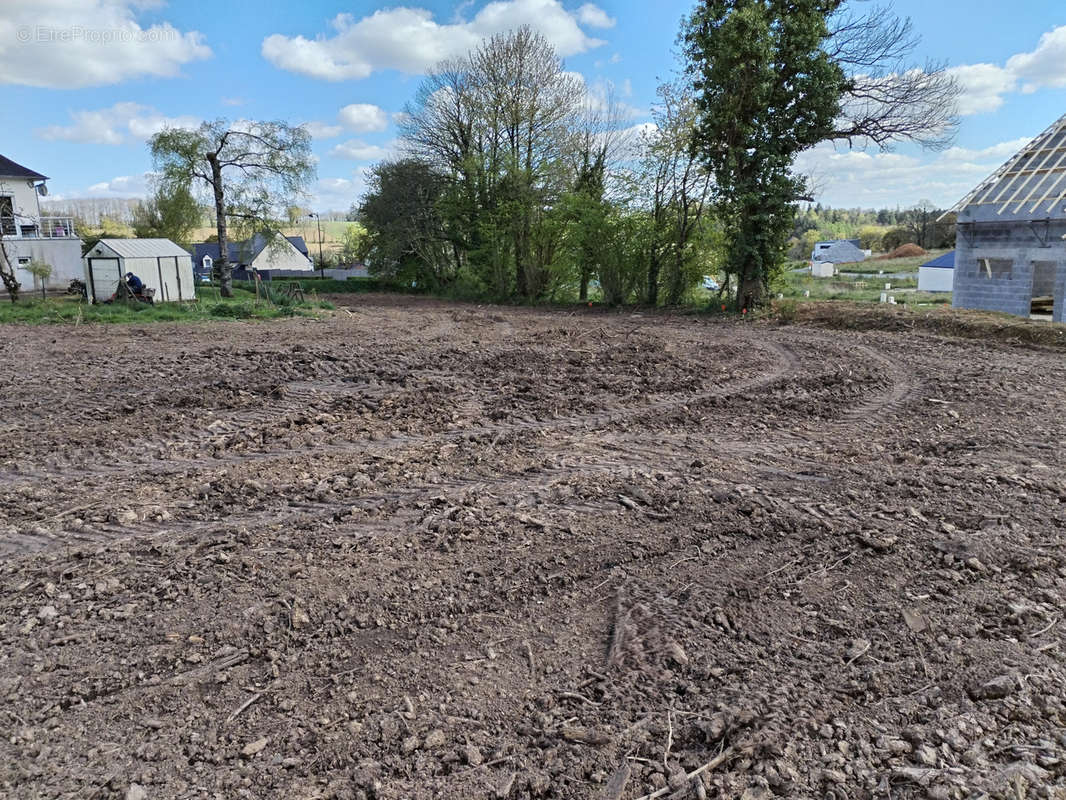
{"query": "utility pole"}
(321, 263)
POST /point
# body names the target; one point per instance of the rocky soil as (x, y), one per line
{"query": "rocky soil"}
(428, 551)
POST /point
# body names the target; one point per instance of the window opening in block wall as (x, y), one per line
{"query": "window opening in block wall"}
(994, 268)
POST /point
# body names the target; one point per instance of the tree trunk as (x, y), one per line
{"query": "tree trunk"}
(7, 273)
(222, 266)
(583, 290)
(749, 292)
(653, 277)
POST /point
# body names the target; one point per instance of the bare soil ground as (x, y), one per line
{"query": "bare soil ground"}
(430, 551)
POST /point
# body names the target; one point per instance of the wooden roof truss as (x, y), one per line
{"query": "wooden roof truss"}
(1034, 179)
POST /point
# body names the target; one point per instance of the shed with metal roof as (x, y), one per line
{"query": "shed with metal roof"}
(161, 265)
(1011, 232)
(937, 275)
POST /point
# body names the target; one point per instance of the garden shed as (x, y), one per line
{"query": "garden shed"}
(937, 275)
(159, 263)
(1010, 250)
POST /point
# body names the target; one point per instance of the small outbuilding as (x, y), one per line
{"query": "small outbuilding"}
(1010, 242)
(159, 263)
(937, 275)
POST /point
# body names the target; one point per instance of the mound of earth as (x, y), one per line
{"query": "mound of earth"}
(905, 251)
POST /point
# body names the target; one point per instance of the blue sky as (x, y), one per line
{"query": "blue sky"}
(92, 79)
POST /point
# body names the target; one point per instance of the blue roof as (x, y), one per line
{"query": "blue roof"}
(946, 261)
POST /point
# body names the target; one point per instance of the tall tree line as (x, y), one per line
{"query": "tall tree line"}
(516, 182)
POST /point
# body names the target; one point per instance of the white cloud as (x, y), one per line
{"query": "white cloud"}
(71, 44)
(1045, 66)
(358, 150)
(338, 193)
(997, 152)
(122, 186)
(850, 178)
(363, 118)
(983, 87)
(119, 124)
(411, 40)
(233, 101)
(322, 130)
(594, 17)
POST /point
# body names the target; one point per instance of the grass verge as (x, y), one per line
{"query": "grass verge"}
(69, 310)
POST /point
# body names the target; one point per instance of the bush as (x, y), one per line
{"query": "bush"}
(895, 238)
(231, 310)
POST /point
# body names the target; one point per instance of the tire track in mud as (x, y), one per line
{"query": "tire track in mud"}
(607, 459)
(785, 361)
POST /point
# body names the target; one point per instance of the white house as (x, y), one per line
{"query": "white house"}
(159, 263)
(29, 235)
(265, 254)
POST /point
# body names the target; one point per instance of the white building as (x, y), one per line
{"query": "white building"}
(159, 263)
(29, 235)
(263, 253)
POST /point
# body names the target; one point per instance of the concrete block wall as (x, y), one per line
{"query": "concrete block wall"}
(1019, 244)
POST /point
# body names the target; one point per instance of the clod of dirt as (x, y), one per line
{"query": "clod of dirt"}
(252, 748)
(995, 689)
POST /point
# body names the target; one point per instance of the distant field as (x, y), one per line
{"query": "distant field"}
(332, 233)
(890, 265)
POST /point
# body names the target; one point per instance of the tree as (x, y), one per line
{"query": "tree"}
(42, 271)
(766, 90)
(496, 126)
(776, 77)
(680, 189)
(352, 243)
(8, 217)
(7, 271)
(886, 99)
(170, 213)
(406, 235)
(253, 170)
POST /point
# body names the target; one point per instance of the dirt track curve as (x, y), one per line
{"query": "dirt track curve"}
(421, 550)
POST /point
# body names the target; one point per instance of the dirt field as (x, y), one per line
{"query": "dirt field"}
(430, 551)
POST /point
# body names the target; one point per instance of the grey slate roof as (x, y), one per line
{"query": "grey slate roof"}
(9, 169)
(840, 251)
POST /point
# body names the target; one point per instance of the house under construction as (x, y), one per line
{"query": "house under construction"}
(1011, 233)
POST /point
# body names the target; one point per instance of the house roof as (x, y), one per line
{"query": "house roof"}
(837, 252)
(9, 169)
(242, 253)
(299, 243)
(1031, 185)
(945, 261)
(144, 248)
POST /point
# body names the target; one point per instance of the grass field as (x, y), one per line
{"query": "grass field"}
(890, 265)
(332, 233)
(210, 305)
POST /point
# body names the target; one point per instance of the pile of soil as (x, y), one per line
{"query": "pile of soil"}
(904, 251)
(432, 551)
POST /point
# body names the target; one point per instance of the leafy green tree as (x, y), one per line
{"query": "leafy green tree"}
(776, 77)
(42, 271)
(352, 244)
(253, 171)
(765, 91)
(170, 213)
(406, 234)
